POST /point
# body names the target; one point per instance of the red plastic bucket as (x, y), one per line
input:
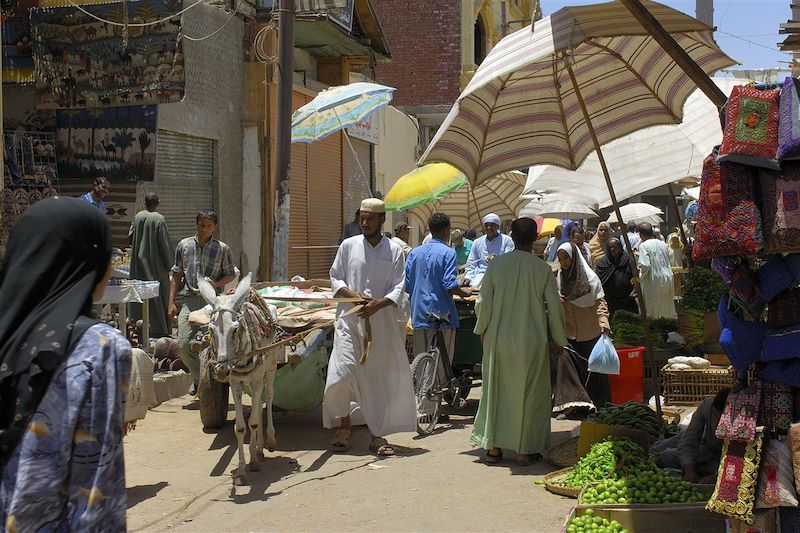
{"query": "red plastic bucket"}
(629, 384)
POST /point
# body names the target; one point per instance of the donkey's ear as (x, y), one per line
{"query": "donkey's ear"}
(241, 290)
(207, 291)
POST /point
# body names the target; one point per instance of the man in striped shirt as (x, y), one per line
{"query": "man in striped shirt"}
(200, 255)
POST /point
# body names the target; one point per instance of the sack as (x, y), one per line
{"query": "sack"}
(776, 480)
(738, 420)
(781, 344)
(780, 207)
(777, 406)
(728, 222)
(735, 492)
(751, 128)
(784, 310)
(789, 120)
(774, 278)
(301, 388)
(741, 339)
(794, 448)
(604, 358)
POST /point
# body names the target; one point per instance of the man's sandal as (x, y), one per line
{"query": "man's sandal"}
(491, 459)
(341, 442)
(381, 447)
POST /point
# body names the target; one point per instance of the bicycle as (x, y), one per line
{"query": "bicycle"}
(433, 379)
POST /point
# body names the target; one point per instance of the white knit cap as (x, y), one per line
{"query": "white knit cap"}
(372, 205)
(491, 218)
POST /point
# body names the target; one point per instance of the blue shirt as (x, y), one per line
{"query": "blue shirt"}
(430, 276)
(89, 199)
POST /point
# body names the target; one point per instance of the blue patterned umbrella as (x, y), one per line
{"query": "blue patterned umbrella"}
(338, 108)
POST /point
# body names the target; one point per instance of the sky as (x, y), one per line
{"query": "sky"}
(754, 21)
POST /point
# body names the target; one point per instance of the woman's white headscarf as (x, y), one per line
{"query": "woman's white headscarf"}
(579, 285)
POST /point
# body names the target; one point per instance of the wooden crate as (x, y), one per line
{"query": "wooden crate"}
(689, 387)
(661, 355)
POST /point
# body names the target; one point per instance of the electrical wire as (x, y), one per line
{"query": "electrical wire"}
(134, 24)
(235, 11)
(752, 42)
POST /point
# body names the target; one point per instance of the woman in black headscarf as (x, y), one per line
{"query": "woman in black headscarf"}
(615, 273)
(63, 375)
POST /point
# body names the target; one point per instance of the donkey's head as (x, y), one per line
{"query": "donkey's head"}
(224, 321)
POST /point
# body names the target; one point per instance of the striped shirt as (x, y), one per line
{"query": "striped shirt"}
(214, 260)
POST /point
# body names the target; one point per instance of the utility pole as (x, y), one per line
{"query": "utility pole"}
(704, 12)
(283, 142)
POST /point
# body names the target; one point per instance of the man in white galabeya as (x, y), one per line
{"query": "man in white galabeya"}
(485, 248)
(368, 376)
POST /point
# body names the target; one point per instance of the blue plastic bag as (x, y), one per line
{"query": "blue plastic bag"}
(604, 358)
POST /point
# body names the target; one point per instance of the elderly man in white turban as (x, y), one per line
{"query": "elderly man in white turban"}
(485, 248)
(368, 377)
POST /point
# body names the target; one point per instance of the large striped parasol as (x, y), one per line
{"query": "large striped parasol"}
(468, 205)
(521, 108)
(645, 159)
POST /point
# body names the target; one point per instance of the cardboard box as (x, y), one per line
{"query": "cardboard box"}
(592, 432)
(711, 328)
(718, 359)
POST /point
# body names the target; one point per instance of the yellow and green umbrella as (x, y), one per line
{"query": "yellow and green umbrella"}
(424, 184)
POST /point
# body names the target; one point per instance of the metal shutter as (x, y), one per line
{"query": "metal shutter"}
(324, 203)
(184, 180)
(298, 201)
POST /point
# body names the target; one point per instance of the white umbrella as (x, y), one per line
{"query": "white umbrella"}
(559, 208)
(645, 159)
(692, 193)
(638, 212)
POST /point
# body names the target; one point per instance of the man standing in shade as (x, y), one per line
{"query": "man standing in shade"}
(99, 191)
(485, 248)
(461, 245)
(517, 306)
(368, 376)
(402, 232)
(151, 259)
(200, 255)
(658, 286)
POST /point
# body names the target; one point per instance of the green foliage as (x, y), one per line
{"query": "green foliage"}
(702, 289)
(628, 330)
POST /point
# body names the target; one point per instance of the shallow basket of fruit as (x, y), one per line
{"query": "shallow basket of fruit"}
(589, 522)
(645, 488)
(556, 482)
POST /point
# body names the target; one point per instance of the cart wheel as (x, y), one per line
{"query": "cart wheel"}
(214, 404)
(427, 392)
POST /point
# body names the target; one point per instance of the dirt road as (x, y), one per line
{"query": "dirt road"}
(178, 478)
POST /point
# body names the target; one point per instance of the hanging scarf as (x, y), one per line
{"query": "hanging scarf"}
(578, 285)
(597, 245)
(57, 253)
(615, 272)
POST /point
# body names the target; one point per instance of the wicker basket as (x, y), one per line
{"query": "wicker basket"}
(661, 355)
(689, 387)
(564, 453)
(553, 480)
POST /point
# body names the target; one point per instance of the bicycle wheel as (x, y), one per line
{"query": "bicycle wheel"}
(427, 387)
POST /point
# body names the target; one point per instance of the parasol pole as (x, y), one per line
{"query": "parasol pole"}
(355, 154)
(648, 338)
(680, 224)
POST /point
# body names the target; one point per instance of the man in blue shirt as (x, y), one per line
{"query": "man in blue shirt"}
(431, 282)
(95, 196)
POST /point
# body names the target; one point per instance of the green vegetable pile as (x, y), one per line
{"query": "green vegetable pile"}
(636, 416)
(653, 487)
(588, 522)
(628, 330)
(702, 289)
(613, 458)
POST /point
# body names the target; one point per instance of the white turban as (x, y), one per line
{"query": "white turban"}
(491, 218)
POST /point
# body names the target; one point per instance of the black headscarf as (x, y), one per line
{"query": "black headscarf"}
(615, 272)
(57, 252)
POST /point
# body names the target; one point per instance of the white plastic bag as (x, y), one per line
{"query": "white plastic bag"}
(604, 358)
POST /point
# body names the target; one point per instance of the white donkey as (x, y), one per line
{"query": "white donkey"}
(240, 332)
